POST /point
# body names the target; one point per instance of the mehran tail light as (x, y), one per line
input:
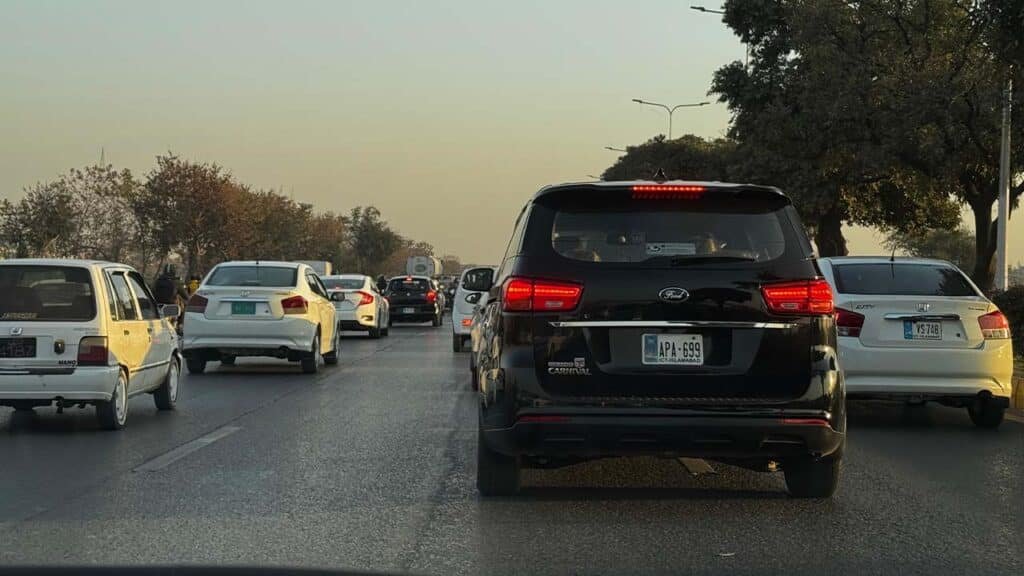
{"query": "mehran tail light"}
(93, 351)
(994, 326)
(806, 297)
(848, 323)
(530, 295)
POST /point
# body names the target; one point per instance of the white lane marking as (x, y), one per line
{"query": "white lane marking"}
(696, 466)
(1014, 418)
(166, 459)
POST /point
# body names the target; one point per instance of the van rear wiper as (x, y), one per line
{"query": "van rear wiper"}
(686, 260)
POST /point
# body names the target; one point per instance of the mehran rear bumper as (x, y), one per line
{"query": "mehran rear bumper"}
(84, 383)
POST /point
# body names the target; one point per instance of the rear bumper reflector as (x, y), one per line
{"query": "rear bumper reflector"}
(671, 324)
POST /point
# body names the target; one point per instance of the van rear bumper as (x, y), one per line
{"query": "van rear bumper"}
(84, 384)
(601, 434)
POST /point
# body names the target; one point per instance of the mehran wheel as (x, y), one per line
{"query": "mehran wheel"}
(311, 360)
(985, 413)
(808, 477)
(166, 396)
(496, 474)
(332, 357)
(112, 414)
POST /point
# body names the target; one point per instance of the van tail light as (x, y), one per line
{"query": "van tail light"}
(92, 351)
(806, 297)
(994, 326)
(196, 303)
(364, 298)
(848, 323)
(526, 295)
(294, 305)
(431, 297)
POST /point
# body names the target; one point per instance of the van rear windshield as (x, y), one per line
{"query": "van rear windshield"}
(671, 231)
(46, 294)
(901, 279)
(270, 276)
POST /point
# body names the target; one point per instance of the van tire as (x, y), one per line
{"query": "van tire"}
(496, 474)
(195, 365)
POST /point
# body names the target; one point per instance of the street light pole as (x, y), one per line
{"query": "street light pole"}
(671, 110)
(1003, 214)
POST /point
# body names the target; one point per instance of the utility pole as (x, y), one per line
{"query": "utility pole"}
(1003, 214)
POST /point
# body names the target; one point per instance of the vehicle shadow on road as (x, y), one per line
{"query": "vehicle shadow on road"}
(598, 493)
(883, 414)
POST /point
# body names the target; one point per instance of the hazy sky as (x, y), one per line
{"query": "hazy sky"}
(446, 115)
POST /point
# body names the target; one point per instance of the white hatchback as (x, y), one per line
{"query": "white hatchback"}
(80, 332)
(256, 308)
(919, 330)
(468, 297)
(358, 304)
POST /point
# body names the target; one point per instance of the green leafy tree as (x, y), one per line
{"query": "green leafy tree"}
(955, 245)
(370, 241)
(686, 158)
(42, 224)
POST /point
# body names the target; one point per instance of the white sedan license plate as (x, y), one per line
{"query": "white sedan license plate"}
(673, 349)
(408, 310)
(922, 330)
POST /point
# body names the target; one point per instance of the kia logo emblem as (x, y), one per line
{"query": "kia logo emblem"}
(673, 294)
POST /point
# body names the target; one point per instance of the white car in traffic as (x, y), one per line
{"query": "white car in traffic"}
(919, 330)
(468, 297)
(257, 308)
(358, 304)
(82, 332)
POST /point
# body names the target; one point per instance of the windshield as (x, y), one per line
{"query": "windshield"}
(46, 293)
(268, 276)
(902, 279)
(343, 283)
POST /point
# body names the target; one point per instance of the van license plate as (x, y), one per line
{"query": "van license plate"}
(673, 349)
(922, 330)
(244, 308)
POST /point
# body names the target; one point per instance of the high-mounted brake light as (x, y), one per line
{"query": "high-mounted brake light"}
(667, 192)
(92, 351)
(848, 323)
(994, 326)
(364, 298)
(526, 295)
(294, 305)
(196, 303)
(809, 297)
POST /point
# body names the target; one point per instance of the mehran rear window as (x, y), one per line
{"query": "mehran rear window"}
(269, 276)
(901, 279)
(619, 229)
(46, 294)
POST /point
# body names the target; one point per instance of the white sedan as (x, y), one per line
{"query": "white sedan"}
(358, 304)
(277, 309)
(919, 330)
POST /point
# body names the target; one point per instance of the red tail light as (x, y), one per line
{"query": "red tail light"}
(820, 422)
(196, 303)
(524, 295)
(364, 298)
(994, 326)
(294, 305)
(467, 322)
(812, 297)
(848, 323)
(431, 296)
(92, 351)
(667, 192)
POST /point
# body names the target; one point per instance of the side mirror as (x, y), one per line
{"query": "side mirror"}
(170, 311)
(480, 281)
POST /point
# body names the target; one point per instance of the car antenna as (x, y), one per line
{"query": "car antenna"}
(892, 263)
(659, 176)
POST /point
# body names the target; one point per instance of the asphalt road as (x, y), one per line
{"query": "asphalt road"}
(370, 465)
